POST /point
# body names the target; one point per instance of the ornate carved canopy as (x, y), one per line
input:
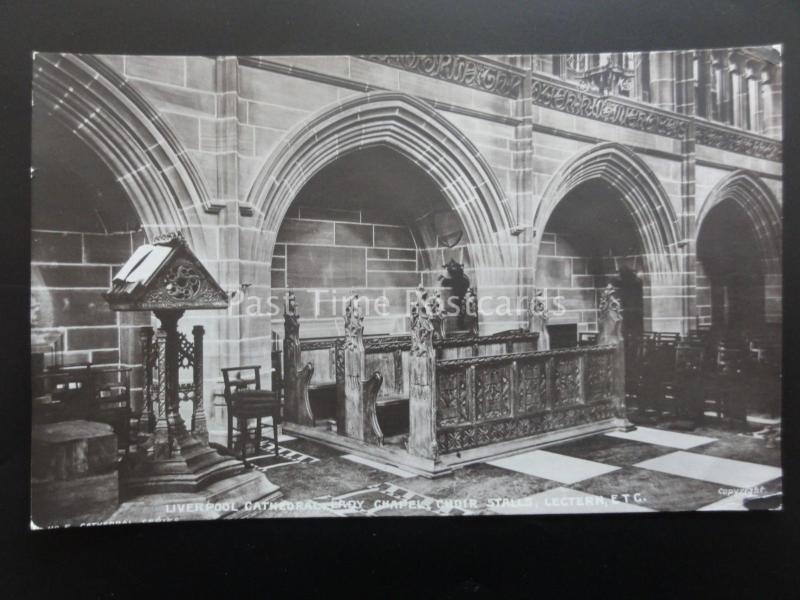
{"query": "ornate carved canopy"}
(165, 275)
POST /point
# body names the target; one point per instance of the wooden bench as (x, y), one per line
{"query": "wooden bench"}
(376, 367)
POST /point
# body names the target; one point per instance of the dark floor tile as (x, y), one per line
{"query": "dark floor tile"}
(744, 448)
(659, 491)
(610, 451)
(478, 482)
(312, 448)
(329, 477)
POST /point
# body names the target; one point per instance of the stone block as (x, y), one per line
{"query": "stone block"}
(173, 98)
(329, 214)
(73, 307)
(105, 357)
(393, 237)
(393, 279)
(73, 277)
(377, 253)
(295, 231)
(114, 248)
(273, 117)
(403, 254)
(351, 234)
(56, 247)
(166, 69)
(325, 267)
(284, 90)
(92, 337)
(391, 265)
(186, 127)
(200, 72)
(553, 272)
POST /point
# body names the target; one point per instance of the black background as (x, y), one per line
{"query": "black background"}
(672, 555)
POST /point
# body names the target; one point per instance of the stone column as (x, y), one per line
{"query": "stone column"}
(752, 73)
(771, 88)
(719, 63)
(738, 91)
(662, 80)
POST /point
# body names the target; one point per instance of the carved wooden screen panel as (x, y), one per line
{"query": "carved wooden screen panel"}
(599, 376)
(566, 381)
(453, 397)
(493, 394)
(531, 386)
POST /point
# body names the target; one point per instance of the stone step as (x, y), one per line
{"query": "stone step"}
(249, 486)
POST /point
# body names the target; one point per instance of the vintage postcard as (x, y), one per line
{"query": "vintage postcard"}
(423, 285)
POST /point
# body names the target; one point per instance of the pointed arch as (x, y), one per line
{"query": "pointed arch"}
(415, 130)
(640, 191)
(760, 205)
(128, 135)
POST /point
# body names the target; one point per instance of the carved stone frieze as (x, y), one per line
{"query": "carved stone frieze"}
(454, 68)
(550, 94)
(563, 98)
(741, 143)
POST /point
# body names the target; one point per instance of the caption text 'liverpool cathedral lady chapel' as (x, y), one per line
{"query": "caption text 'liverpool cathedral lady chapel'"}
(321, 285)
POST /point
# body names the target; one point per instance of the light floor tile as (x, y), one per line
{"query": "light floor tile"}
(724, 471)
(556, 467)
(659, 437)
(562, 500)
(379, 465)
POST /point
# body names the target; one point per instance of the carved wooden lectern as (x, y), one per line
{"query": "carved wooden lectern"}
(167, 278)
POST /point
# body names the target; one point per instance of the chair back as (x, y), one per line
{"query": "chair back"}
(277, 372)
(241, 378)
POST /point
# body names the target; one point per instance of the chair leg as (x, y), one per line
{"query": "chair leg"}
(243, 435)
(258, 436)
(275, 432)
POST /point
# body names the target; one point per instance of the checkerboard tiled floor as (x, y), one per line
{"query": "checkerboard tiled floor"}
(648, 469)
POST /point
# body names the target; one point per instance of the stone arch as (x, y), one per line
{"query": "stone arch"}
(415, 130)
(640, 191)
(128, 135)
(760, 205)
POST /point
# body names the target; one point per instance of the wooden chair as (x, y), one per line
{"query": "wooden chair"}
(685, 389)
(246, 400)
(726, 383)
(110, 401)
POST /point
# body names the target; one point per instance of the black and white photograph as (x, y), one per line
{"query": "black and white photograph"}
(382, 285)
